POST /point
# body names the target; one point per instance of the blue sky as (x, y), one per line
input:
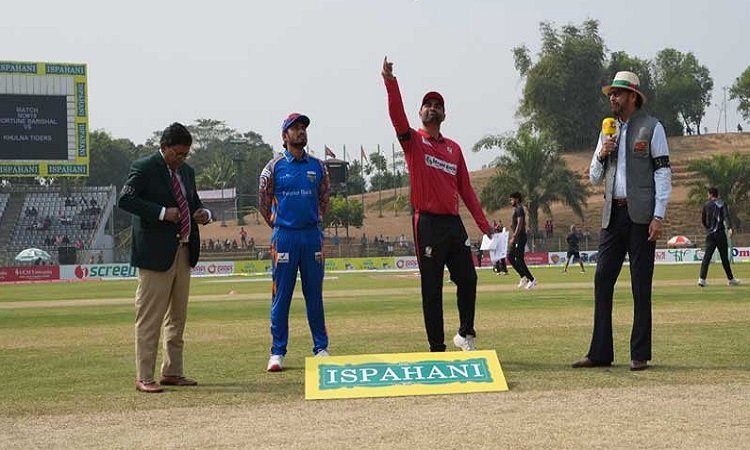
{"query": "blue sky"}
(251, 63)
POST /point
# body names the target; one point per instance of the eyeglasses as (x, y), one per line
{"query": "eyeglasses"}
(180, 154)
(617, 92)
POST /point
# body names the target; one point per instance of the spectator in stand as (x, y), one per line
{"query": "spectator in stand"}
(243, 237)
(65, 240)
(251, 244)
(235, 246)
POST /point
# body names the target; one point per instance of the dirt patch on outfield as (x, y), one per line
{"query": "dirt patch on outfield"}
(674, 417)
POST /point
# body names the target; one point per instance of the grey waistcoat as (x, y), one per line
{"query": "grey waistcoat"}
(639, 167)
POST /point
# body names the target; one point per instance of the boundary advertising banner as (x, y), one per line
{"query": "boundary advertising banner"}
(29, 274)
(125, 270)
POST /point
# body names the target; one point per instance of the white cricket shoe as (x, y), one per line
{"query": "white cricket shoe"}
(733, 282)
(322, 353)
(702, 282)
(530, 285)
(464, 343)
(275, 363)
(523, 282)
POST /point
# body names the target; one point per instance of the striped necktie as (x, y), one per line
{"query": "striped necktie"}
(182, 203)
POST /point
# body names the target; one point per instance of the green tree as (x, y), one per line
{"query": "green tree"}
(109, 164)
(740, 91)
(355, 179)
(683, 90)
(220, 172)
(730, 174)
(531, 164)
(344, 213)
(110, 159)
(558, 98)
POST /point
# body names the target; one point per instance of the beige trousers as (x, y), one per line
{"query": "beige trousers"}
(161, 298)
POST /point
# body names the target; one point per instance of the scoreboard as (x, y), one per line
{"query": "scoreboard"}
(43, 120)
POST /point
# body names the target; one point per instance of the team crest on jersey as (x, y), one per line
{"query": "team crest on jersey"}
(282, 258)
(311, 175)
(428, 252)
(449, 149)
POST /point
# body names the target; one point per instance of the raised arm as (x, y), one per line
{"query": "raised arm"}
(395, 103)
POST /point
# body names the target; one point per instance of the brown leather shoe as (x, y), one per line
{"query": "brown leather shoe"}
(638, 364)
(149, 387)
(175, 380)
(586, 362)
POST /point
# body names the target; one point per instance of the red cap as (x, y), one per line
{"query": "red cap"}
(432, 95)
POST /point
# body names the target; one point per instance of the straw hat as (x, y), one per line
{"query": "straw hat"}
(625, 80)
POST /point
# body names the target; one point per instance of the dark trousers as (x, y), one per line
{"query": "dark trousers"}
(714, 241)
(515, 257)
(500, 266)
(441, 240)
(620, 238)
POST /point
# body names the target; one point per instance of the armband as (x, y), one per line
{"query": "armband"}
(405, 137)
(661, 162)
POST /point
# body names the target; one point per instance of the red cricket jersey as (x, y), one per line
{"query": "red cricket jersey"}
(437, 167)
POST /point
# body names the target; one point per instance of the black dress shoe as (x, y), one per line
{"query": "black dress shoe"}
(176, 380)
(586, 362)
(638, 364)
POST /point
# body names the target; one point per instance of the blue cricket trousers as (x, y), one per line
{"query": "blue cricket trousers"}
(293, 249)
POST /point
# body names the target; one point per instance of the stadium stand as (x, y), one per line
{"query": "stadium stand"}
(48, 218)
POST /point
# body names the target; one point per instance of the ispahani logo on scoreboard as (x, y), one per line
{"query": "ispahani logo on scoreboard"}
(390, 375)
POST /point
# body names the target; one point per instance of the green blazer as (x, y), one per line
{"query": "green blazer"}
(147, 190)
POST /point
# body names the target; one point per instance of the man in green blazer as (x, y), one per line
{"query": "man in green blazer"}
(161, 195)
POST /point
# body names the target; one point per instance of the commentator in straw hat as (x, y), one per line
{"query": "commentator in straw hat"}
(634, 164)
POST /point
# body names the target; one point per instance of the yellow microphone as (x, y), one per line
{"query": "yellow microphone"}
(609, 127)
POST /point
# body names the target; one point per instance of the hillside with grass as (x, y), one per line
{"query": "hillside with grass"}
(381, 218)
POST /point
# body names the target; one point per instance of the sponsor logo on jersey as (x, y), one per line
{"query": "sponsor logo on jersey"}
(439, 164)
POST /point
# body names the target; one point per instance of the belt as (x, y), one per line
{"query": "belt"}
(620, 202)
(184, 243)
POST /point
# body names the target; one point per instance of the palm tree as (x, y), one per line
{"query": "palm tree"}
(220, 170)
(730, 174)
(532, 165)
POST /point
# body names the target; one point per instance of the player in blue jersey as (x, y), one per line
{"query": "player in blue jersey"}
(293, 197)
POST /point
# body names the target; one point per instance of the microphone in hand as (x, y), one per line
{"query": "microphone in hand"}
(609, 130)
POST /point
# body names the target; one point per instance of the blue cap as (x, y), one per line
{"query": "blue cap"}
(293, 117)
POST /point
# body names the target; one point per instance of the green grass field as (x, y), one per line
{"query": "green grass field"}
(68, 347)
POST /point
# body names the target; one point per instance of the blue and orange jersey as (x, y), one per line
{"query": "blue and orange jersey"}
(294, 193)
